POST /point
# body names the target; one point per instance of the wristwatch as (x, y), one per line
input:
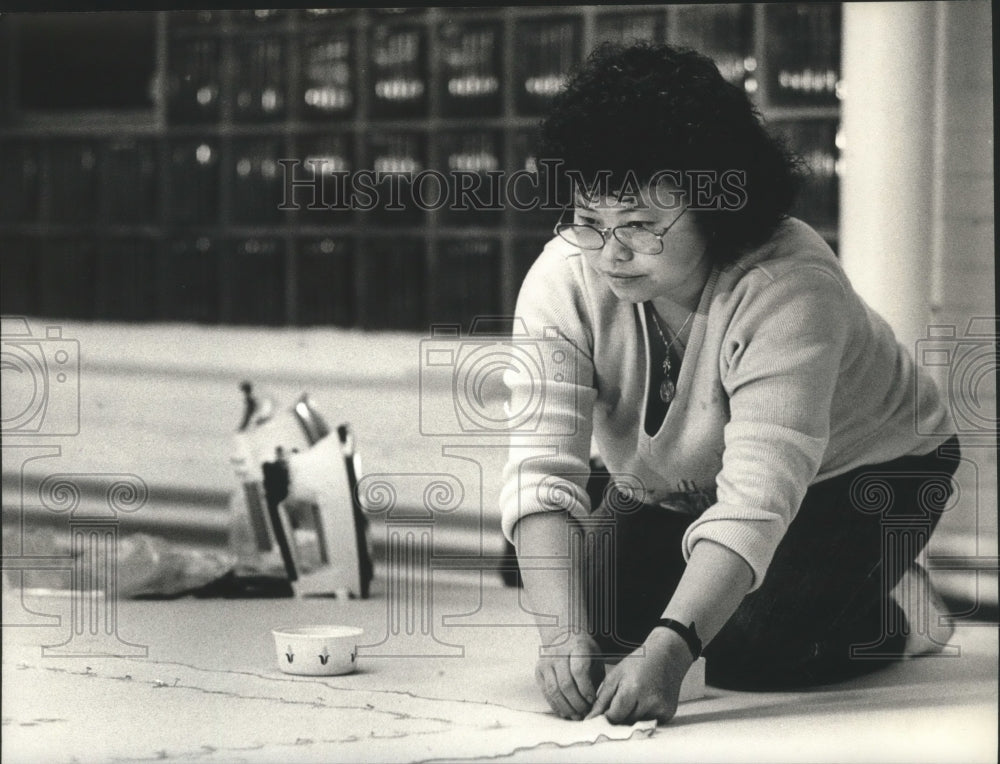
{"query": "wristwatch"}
(687, 633)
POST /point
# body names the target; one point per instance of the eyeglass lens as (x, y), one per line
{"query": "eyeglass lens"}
(588, 237)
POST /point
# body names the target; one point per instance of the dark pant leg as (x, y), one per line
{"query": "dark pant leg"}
(826, 590)
(828, 587)
(636, 571)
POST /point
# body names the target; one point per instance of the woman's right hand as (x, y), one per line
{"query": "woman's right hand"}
(568, 670)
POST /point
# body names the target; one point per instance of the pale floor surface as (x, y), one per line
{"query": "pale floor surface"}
(161, 402)
(209, 689)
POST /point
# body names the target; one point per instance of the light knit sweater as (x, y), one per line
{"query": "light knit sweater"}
(788, 378)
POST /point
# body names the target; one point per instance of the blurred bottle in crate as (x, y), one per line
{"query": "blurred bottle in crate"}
(803, 49)
(259, 90)
(126, 280)
(129, 175)
(325, 159)
(72, 181)
(398, 56)
(326, 281)
(724, 33)
(66, 277)
(392, 281)
(189, 280)
(181, 21)
(313, 15)
(194, 182)
(628, 28)
(815, 141)
(253, 282)
(537, 187)
(260, 16)
(470, 56)
(194, 80)
(473, 162)
(396, 159)
(256, 180)
(327, 77)
(20, 171)
(407, 12)
(466, 281)
(547, 49)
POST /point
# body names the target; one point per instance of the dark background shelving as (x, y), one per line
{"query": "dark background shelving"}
(165, 204)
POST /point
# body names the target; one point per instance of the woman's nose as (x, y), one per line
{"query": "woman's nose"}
(615, 250)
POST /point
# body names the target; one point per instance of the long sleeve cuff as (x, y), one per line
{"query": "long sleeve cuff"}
(753, 535)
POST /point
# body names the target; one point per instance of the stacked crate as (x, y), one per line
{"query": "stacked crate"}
(185, 212)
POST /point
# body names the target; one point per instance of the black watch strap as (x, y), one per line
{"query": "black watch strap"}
(687, 633)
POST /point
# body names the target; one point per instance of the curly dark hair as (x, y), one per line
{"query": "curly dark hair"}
(638, 110)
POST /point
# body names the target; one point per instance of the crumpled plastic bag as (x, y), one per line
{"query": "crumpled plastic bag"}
(147, 565)
(150, 565)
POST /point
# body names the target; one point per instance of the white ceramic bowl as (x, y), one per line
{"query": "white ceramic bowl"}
(317, 650)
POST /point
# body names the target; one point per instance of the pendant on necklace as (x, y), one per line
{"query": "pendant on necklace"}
(667, 390)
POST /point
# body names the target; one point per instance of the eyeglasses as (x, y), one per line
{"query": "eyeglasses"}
(635, 236)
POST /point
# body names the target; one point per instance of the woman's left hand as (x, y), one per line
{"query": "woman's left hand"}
(645, 684)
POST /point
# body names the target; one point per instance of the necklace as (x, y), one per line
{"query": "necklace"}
(667, 387)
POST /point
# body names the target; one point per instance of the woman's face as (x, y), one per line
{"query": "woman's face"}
(678, 271)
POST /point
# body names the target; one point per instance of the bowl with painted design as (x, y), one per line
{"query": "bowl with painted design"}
(317, 650)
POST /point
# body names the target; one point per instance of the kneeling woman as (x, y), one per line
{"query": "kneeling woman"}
(747, 403)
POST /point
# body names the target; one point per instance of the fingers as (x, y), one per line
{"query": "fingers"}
(567, 679)
(570, 691)
(605, 694)
(561, 691)
(552, 693)
(628, 708)
(580, 669)
(622, 703)
(622, 708)
(665, 713)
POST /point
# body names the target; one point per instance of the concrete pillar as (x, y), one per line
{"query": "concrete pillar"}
(887, 204)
